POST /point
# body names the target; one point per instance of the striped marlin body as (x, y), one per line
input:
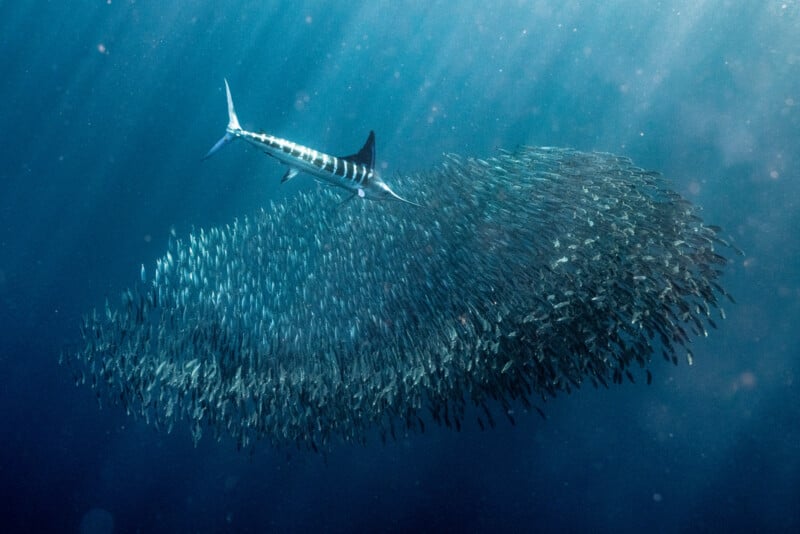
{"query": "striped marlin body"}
(355, 173)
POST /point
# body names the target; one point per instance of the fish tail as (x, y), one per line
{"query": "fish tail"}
(233, 126)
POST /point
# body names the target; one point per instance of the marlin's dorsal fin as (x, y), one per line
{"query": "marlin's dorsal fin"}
(365, 156)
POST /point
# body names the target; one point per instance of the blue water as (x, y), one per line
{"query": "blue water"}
(107, 107)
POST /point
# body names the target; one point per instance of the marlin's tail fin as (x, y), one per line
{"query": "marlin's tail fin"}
(231, 130)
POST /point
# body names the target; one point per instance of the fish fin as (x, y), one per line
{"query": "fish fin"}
(339, 205)
(219, 144)
(233, 120)
(291, 172)
(231, 130)
(365, 156)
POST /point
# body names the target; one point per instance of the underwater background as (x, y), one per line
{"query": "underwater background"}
(108, 107)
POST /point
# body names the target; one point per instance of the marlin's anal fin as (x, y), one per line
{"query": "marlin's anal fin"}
(365, 156)
(291, 172)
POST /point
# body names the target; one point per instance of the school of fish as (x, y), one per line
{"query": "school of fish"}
(522, 276)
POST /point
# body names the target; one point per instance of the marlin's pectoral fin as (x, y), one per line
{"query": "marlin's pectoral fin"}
(345, 201)
(358, 194)
(291, 172)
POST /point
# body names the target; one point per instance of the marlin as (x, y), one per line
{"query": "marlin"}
(355, 173)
